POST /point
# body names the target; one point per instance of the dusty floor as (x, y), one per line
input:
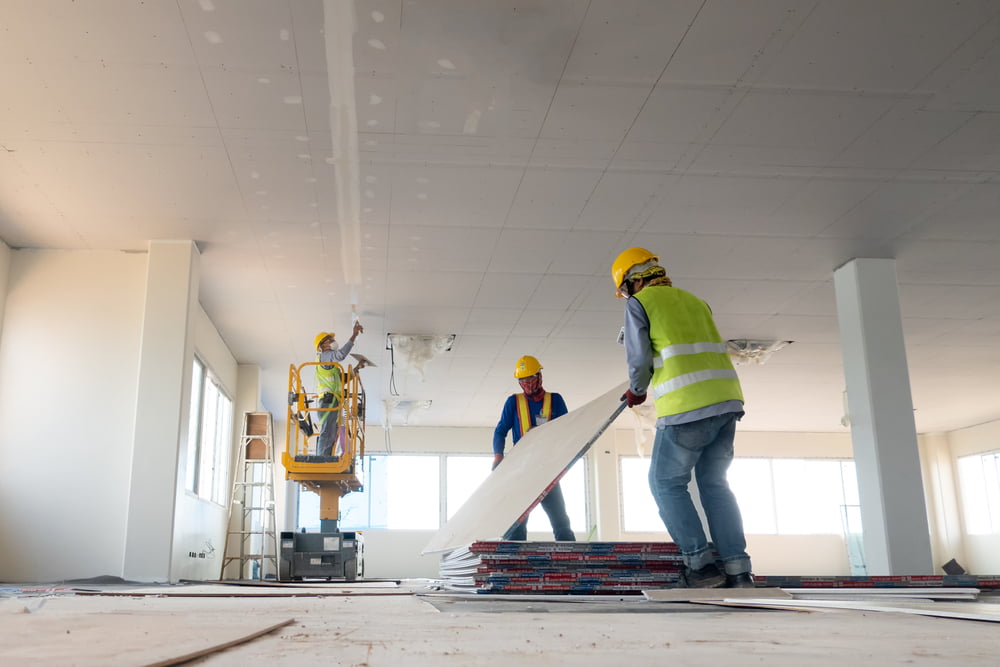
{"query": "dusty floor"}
(401, 625)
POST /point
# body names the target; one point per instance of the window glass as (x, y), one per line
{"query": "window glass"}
(639, 512)
(979, 479)
(210, 432)
(574, 488)
(809, 496)
(194, 425)
(463, 476)
(750, 480)
(412, 489)
(398, 492)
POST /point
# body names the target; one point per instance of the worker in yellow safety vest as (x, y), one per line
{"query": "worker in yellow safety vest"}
(674, 349)
(533, 407)
(330, 385)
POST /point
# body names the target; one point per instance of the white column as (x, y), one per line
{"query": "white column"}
(893, 511)
(161, 408)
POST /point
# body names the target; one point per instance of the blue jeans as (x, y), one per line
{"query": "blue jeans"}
(705, 446)
(555, 506)
(329, 422)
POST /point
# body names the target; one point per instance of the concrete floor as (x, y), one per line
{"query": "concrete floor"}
(384, 624)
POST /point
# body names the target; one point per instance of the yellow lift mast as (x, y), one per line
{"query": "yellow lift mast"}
(329, 553)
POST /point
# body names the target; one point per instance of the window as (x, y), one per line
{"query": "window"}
(979, 478)
(210, 432)
(639, 512)
(404, 491)
(399, 492)
(776, 496)
(463, 475)
(574, 488)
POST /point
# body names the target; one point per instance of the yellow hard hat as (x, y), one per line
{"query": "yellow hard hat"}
(321, 336)
(628, 259)
(526, 367)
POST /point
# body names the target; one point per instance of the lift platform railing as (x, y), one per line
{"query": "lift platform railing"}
(302, 426)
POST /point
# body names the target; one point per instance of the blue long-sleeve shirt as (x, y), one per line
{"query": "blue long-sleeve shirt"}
(508, 418)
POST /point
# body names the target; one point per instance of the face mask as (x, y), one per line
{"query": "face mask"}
(532, 385)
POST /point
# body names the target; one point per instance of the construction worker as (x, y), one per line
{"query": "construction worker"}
(533, 407)
(671, 342)
(330, 385)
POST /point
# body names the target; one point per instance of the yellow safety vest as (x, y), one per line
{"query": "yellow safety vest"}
(328, 380)
(691, 367)
(524, 415)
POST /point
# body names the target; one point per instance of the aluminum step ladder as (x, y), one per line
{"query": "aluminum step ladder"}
(251, 540)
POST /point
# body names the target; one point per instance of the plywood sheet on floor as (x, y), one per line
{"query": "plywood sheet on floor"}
(108, 639)
(394, 631)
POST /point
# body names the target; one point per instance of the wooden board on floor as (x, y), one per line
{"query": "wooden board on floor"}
(527, 469)
(219, 591)
(689, 594)
(972, 611)
(110, 639)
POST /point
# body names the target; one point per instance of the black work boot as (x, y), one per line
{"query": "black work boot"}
(741, 580)
(707, 577)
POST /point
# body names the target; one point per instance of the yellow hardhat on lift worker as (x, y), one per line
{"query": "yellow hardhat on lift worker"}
(321, 336)
(526, 367)
(633, 258)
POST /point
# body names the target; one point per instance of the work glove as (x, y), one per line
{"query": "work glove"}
(633, 399)
(497, 458)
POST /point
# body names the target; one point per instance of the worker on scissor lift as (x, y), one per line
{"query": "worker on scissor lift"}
(330, 385)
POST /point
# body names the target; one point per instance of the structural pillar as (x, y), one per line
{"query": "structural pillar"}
(161, 418)
(880, 407)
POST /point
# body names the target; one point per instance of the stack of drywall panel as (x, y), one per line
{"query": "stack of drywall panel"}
(563, 567)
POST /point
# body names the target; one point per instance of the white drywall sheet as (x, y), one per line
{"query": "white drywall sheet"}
(540, 457)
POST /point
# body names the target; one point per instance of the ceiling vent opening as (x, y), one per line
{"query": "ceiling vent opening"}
(744, 351)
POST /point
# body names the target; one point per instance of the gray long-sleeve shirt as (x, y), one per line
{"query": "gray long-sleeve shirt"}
(336, 354)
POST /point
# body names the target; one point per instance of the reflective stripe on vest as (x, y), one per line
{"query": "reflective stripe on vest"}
(691, 368)
(327, 378)
(524, 415)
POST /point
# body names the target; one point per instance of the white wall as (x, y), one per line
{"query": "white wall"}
(199, 524)
(68, 358)
(5, 254)
(981, 551)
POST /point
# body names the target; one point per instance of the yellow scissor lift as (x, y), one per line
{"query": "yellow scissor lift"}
(329, 553)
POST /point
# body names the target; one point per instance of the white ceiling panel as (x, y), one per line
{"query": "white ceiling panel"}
(95, 31)
(705, 204)
(444, 195)
(676, 113)
(901, 136)
(725, 41)
(619, 201)
(629, 40)
(603, 112)
(892, 210)
(551, 199)
(805, 120)
(833, 49)
(506, 290)
(250, 34)
(525, 251)
(500, 156)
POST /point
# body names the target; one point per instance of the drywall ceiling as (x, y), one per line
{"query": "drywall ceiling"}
(472, 168)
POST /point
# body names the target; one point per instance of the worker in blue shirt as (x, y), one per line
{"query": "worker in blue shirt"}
(533, 407)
